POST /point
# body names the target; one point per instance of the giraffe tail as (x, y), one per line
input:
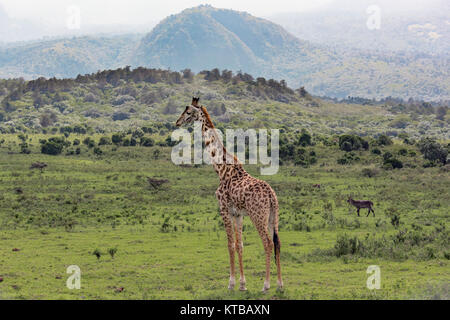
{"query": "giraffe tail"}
(277, 246)
(274, 225)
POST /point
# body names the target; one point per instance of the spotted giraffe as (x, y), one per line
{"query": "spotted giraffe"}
(239, 194)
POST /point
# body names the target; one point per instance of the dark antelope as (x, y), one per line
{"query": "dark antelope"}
(362, 204)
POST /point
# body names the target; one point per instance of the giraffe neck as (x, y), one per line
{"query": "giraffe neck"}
(225, 164)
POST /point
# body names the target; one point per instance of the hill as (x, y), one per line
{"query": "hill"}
(65, 57)
(125, 98)
(205, 37)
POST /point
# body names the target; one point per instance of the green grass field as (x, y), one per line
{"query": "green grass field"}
(171, 243)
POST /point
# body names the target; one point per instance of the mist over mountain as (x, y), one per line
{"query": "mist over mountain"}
(18, 30)
(205, 38)
(404, 26)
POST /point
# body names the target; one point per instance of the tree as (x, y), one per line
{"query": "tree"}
(384, 140)
(432, 150)
(348, 142)
(304, 139)
(53, 146)
(117, 138)
(104, 141)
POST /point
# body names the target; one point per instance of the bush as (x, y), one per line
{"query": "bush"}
(304, 158)
(347, 245)
(369, 172)
(105, 141)
(147, 142)
(384, 140)
(348, 158)
(120, 116)
(376, 151)
(433, 151)
(122, 99)
(98, 151)
(393, 163)
(349, 142)
(89, 142)
(53, 146)
(305, 139)
(387, 155)
(117, 138)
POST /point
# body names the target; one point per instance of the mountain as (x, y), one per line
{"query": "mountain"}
(205, 37)
(343, 25)
(65, 58)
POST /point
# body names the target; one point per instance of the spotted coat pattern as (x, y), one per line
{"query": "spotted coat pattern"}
(239, 194)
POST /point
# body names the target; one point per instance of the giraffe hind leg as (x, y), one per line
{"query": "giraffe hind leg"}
(239, 249)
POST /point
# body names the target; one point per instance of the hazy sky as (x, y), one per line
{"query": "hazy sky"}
(51, 16)
(141, 11)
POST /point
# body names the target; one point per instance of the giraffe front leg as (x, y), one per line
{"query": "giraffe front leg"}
(231, 246)
(239, 249)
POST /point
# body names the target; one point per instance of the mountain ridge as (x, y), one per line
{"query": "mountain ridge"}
(204, 37)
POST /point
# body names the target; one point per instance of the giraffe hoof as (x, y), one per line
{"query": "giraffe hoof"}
(242, 288)
(280, 286)
(266, 287)
(231, 287)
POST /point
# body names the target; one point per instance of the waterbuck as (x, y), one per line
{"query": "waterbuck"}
(362, 204)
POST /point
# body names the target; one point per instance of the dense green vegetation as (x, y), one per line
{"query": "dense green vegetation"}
(86, 179)
(115, 100)
(131, 219)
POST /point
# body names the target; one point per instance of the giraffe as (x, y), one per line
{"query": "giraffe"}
(239, 194)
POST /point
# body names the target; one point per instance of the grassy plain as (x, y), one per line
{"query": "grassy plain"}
(170, 240)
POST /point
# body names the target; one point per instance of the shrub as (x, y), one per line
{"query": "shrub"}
(432, 150)
(104, 141)
(304, 158)
(119, 116)
(121, 100)
(376, 151)
(98, 151)
(369, 172)
(97, 253)
(89, 142)
(347, 245)
(112, 252)
(53, 146)
(117, 138)
(349, 142)
(147, 142)
(384, 140)
(305, 139)
(387, 155)
(394, 163)
(348, 158)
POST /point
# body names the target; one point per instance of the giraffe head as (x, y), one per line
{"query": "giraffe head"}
(191, 113)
